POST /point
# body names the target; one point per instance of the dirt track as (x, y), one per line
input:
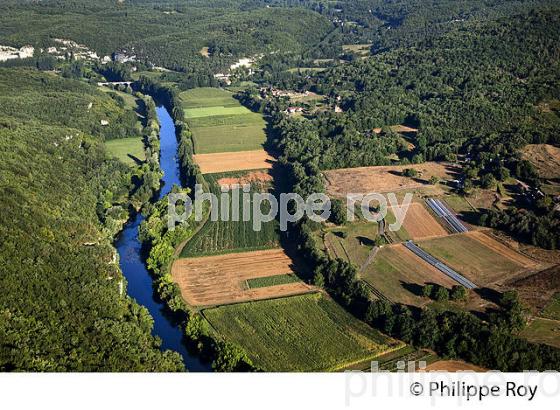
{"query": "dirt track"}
(384, 178)
(233, 161)
(218, 280)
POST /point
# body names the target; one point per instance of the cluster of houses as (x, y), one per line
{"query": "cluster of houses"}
(275, 92)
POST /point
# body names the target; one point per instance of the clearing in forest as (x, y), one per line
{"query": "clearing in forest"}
(545, 158)
(238, 277)
(128, 150)
(401, 129)
(299, 333)
(542, 330)
(379, 179)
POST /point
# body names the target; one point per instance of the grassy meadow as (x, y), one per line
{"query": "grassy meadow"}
(275, 280)
(299, 333)
(543, 331)
(126, 149)
(219, 123)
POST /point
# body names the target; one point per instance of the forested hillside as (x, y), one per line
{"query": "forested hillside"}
(63, 305)
(169, 34)
(476, 93)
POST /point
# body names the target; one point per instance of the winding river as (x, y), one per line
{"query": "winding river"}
(132, 261)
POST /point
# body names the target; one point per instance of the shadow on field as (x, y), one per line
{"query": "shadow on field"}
(470, 217)
(488, 294)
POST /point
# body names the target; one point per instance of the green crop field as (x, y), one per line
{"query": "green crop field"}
(228, 138)
(299, 333)
(126, 148)
(275, 280)
(217, 237)
(215, 110)
(215, 120)
(207, 97)
(219, 123)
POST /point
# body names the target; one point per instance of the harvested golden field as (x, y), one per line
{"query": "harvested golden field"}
(222, 279)
(545, 157)
(453, 366)
(419, 223)
(479, 257)
(384, 178)
(233, 161)
(503, 250)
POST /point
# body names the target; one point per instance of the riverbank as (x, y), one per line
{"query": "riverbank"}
(132, 258)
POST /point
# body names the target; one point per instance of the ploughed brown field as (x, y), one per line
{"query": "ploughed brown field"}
(248, 178)
(419, 223)
(384, 178)
(453, 366)
(222, 279)
(233, 161)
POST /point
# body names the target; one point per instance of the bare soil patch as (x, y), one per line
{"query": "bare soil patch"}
(545, 158)
(401, 129)
(385, 178)
(453, 366)
(233, 161)
(261, 177)
(204, 51)
(220, 280)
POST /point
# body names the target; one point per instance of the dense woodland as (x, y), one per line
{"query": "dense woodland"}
(62, 305)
